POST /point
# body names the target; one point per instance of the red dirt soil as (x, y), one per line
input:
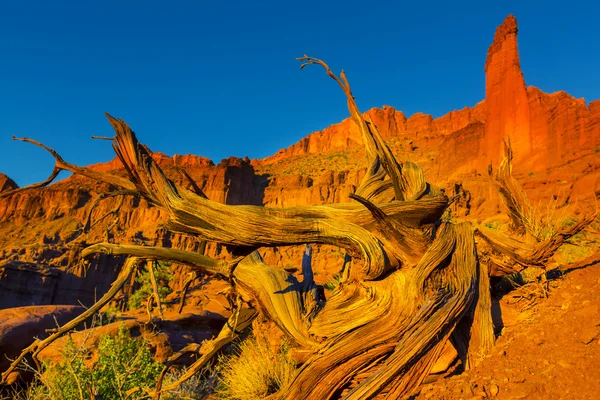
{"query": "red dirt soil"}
(552, 351)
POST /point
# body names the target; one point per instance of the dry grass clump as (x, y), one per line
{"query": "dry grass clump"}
(255, 370)
(199, 386)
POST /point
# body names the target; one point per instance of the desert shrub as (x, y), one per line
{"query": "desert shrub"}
(447, 216)
(123, 363)
(255, 370)
(106, 316)
(493, 225)
(199, 386)
(163, 275)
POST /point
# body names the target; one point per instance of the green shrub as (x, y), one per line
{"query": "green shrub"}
(163, 275)
(123, 363)
(493, 225)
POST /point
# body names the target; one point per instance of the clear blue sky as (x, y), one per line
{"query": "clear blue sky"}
(219, 78)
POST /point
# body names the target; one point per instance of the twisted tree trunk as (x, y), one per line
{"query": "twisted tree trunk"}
(416, 285)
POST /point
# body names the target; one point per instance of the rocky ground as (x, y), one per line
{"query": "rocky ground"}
(551, 351)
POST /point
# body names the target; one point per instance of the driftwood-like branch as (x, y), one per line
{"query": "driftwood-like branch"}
(150, 265)
(192, 276)
(88, 221)
(407, 185)
(202, 263)
(195, 188)
(61, 165)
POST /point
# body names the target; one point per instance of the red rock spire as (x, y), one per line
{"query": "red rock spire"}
(506, 97)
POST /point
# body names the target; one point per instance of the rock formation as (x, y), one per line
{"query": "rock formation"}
(6, 183)
(545, 129)
(505, 97)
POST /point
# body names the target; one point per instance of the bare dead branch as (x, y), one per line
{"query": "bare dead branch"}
(195, 188)
(62, 165)
(150, 265)
(192, 276)
(203, 263)
(88, 223)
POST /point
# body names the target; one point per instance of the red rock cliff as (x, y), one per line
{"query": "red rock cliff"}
(391, 124)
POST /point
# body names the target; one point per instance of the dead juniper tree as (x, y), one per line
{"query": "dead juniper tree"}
(417, 287)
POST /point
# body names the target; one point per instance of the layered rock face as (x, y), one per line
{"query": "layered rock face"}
(556, 140)
(562, 127)
(391, 123)
(42, 232)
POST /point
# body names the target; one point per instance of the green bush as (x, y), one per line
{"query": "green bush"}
(123, 363)
(163, 275)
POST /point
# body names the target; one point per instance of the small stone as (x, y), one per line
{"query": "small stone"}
(564, 364)
(493, 390)
(587, 335)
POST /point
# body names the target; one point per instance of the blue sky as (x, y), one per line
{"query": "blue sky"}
(219, 78)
